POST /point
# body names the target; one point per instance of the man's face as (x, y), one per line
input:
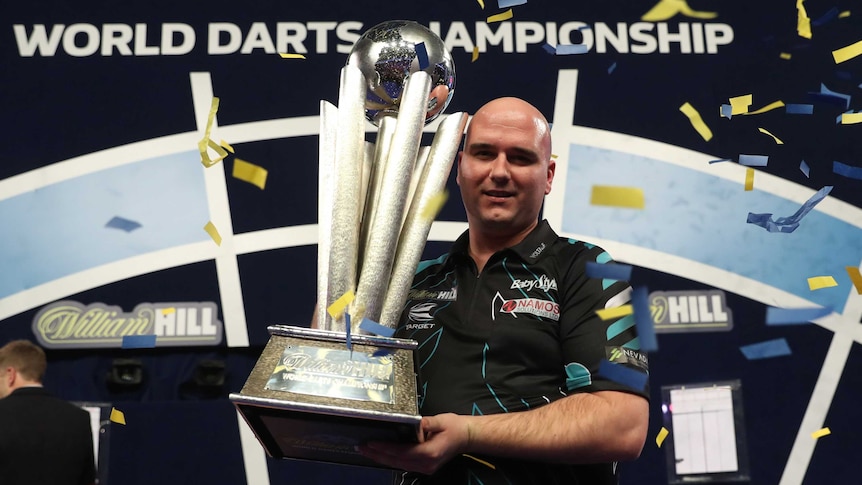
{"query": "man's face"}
(505, 171)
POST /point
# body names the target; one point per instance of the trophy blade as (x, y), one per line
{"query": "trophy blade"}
(414, 234)
(392, 195)
(326, 188)
(386, 130)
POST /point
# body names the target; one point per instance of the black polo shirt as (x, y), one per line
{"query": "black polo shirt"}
(519, 335)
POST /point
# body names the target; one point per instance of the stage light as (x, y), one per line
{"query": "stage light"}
(126, 373)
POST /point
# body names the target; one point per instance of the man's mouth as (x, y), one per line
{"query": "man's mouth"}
(498, 194)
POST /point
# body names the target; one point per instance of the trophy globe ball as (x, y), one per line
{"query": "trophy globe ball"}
(387, 54)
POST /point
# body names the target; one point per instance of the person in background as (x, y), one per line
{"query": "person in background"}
(43, 439)
(510, 344)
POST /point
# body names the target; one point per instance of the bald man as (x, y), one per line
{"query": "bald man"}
(509, 339)
(43, 439)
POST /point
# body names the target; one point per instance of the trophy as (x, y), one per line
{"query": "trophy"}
(316, 393)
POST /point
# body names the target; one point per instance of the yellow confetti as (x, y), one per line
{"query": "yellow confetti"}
(749, 179)
(285, 55)
(662, 434)
(611, 313)
(821, 433)
(855, 277)
(168, 311)
(500, 17)
(206, 142)
(481, 4)
(851, 118)
(480, 461)
(554, 155)
(803, 22)
(739, 104)
(433, 206)
(213, 232)
(849, 52)
(475, 54)
(768, 107)
(785, 55)
(818, 282)
(117, 416)
(337, 308)
(777, 140)
(250, 173)
(844, 14)
(696, 121)
(666, 9)
(226, 146)
(630, 197)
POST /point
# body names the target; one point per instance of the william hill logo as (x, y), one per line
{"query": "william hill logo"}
(69, 324)
(690, 311)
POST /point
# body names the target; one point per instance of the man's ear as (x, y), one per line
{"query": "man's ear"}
(458, 168)
(552, 168)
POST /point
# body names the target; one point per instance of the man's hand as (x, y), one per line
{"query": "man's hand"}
(441, 438)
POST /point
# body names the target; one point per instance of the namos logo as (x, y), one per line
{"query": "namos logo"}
(532, 306)
(70, 324)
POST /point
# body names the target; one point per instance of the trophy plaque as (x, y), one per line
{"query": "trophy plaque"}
(317, 393)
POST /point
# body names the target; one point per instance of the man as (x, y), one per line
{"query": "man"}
(43, 439)
(509, 340)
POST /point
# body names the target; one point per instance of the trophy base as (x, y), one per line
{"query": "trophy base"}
(310, 397)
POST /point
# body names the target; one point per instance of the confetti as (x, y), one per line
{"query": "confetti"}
(118, 222)
(375, 328)
(347, 331)
(206, 142)
(433, 206)
(788, 224)
(285, 55)
(139, 341)
(570, 49)
(481, 4)
(765, 132)
(628, 197)
(855, 277)
(614, 271)
(740, 104)
(846, 53)
(792, 316)
(168, 311)
(749, 179)
(785, 55)
(500, 17)
(117, 416)
(768, 107)
(475, 54)
(803, 167)
(660, 437)
(851, 118)
(720, 160)
(480, 461)
(832, 14)
(249, 172)
(799, 109)
(616, 312)
(643, 320)
(510, 3)
(612, 67)
(803, 22)
(622, 375)
(666, 9)
(765, 350)
(832, 97)
(549, 48)
(726, 111)
(226, 146)
(847, 170)
(753, 160)
(213, 232)
(338, 306)
(821, 433)
(696, 121)
(820, 282)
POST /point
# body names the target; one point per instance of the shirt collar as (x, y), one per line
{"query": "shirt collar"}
(530, 249)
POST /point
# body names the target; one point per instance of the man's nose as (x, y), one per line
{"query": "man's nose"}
(500, 167)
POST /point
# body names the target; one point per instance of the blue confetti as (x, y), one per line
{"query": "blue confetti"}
(510, 3)
(381, 352)
(569, 49)
(804, 168)
(643, 319)
(788, 224)
(799, 109)
(118, 222)
(347, 330)
(793, 316)
(829, 16)
(375, 328)
(753, 160)
(764, 350)
(831, 97)
(613, 271)
(727, 111)
(847, 170)
(549, 48)
(623, 375)
(612, 68)
(139, 341)
(422, 55)
(721, 160)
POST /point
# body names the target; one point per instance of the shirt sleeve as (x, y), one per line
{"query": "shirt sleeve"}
(588, 343)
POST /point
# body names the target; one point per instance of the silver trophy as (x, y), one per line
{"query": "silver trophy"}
(315, 393)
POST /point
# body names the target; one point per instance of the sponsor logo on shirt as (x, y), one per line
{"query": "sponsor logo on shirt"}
(422, 313)
(532, 306)
(444, 295)
(538, 251)
(542, 283)
(622, 355)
